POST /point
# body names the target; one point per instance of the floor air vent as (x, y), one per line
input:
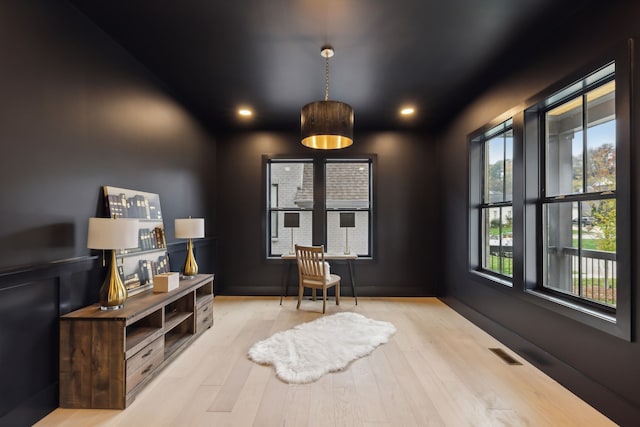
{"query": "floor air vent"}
(504, 356)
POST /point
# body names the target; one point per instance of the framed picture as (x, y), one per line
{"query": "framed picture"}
(137, 266)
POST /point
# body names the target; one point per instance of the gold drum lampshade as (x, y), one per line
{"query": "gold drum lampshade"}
(112, 234)
(326, 125)
(189, 228)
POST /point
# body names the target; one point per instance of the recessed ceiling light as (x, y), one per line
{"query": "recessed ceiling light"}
(245, 112)
(407, 111)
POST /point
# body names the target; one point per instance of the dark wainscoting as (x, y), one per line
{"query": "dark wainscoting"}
(32, 298)
(205, 250)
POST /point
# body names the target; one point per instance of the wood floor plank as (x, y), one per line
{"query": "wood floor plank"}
(436, 370)
(394, 398)
(368, 399)
(273, 403)
(226, 399)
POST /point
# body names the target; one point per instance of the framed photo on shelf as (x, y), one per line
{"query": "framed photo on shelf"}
(137, 266)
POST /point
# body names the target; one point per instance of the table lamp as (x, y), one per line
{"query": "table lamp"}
(291, 220)
(189, 228)
(347, 221)
(112, 234)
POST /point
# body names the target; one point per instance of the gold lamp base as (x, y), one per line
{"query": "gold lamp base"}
(113, 293)
(190, 269)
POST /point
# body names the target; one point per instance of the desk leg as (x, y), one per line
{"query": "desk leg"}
(353, 281)
(285, 280)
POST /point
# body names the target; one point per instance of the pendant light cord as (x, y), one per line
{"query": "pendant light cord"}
(326, 78)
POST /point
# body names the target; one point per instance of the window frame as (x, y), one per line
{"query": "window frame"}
(318, 212)
(556, 198)
(615, 322)
(369, 210)
(268, 208)
(477, 191)
(529, 178)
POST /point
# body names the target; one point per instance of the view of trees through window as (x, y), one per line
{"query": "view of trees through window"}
(497, 218)
(579, 205)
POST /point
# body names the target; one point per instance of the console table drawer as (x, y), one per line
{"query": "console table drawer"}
(143, 363)
(204, 316)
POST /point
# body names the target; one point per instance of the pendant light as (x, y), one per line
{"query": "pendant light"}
(326, 125)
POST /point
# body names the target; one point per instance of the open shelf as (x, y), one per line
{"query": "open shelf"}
(174, 341)
(174, 318)
(143, 331)
(180, 331)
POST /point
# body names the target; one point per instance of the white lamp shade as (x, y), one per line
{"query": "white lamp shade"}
(189, 228)
(109, 233)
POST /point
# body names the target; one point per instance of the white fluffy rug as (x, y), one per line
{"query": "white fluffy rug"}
(328, 344)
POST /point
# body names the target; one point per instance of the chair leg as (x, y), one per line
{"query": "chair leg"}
(313, 294)
(324, 299)
(338, 294)
(300, 291)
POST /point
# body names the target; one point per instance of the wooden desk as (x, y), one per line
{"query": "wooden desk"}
(290, 260)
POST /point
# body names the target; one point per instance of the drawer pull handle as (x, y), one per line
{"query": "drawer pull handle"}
(205, 309)
(205, 319)
(148, 369)
(147, 353)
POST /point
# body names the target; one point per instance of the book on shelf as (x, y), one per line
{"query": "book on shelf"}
(132, 281)
(163, 264)
(158, 233)
(146, 271)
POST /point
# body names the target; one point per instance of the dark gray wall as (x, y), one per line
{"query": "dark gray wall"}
(76, 113)
(597, 366)
(406, 225)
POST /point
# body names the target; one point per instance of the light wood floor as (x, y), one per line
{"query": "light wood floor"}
(436, 371)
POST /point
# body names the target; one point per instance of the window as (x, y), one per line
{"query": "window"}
(290, 190)
(551, 187)
(579, 192)
(348, 206)
(338, 214)
(492, 188)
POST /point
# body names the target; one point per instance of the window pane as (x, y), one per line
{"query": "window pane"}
(601, 139)
(354, 240)
(580, 255)
(564, 148)
(494, 170)
(560, 246)
(508, 165)
(274, 224)
(295, 185)
(347, 185)
(602, 219)
(498, 240)
(498, 168)
(301, 235)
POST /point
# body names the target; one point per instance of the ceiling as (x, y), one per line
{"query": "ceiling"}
(216, 56)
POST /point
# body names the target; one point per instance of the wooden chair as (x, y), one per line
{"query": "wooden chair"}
(313, 273)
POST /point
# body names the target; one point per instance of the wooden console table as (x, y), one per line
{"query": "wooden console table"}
(290, 259)
(107, 357)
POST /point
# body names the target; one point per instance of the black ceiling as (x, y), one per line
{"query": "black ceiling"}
(218, 55)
